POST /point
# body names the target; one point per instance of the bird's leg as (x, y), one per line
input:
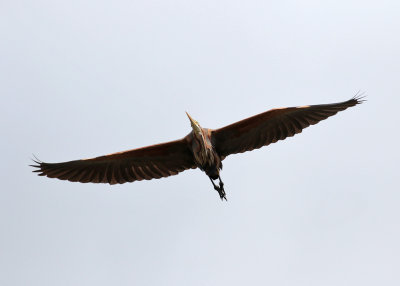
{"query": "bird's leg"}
(219, 189)
(221, 184)
(215, 186)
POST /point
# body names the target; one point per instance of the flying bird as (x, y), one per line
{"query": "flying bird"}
(202, 148)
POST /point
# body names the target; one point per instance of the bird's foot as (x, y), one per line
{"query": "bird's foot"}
(221, 192)
(220, 189)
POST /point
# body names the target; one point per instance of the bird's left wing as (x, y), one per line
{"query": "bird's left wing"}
(273, 125)
(151, 162)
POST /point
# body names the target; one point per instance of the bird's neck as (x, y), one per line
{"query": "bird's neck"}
(202, 149)
(204, 140)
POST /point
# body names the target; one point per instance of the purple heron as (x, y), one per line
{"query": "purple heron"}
(202, 148)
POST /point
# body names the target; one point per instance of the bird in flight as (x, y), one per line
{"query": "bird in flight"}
(202, 148)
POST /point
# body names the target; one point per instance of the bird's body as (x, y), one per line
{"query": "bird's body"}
(205, 156)
(202, 148)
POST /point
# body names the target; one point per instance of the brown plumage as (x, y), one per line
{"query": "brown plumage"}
(202, 148)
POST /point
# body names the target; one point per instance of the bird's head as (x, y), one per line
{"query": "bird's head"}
(195, 125)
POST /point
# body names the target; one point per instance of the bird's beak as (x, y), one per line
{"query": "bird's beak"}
(191, 119)
(194, 123)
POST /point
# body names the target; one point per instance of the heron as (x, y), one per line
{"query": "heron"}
(202, 148)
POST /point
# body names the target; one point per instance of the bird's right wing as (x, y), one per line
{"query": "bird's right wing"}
(151, 162)
(273, 125)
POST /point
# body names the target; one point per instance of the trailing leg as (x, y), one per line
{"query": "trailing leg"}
(220, 188)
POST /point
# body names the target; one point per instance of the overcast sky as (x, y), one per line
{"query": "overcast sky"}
(80, 79)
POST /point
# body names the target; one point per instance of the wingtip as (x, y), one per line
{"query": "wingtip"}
(360, 97)
(36, 159)
(38, 164)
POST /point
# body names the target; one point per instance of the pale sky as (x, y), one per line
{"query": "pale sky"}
(80, 79)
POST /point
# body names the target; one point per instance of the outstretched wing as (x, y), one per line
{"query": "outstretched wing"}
(273, 125)
(146, 163)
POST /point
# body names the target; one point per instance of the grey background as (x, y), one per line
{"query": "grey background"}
(80, 79)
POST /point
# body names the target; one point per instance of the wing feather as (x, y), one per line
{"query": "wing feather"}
(273, 125)
(152, 162)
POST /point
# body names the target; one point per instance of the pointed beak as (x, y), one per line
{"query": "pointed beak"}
(196, 127)
(191, 119)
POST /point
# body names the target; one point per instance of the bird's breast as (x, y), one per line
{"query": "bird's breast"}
(203, 153)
